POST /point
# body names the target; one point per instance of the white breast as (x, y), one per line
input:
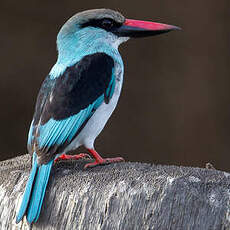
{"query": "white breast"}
(97, 122)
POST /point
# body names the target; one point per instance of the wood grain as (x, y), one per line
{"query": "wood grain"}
(120, 196)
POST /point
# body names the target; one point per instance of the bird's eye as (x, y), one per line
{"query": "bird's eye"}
(107, 23)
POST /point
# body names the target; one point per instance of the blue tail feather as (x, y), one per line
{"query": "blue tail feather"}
(48, 170)
(35, 191)
(38, 193)
(28, 189)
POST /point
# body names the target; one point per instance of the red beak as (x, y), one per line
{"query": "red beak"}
(154, 26)
(136, 28)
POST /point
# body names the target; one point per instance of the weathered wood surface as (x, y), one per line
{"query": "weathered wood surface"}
(120, 196)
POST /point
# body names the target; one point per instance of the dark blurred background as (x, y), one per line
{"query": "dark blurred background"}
(174, 108)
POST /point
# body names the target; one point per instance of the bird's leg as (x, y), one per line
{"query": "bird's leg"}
(101, 161)
(72, 157)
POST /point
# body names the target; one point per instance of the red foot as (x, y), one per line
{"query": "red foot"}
(100, 161)
(72, 157)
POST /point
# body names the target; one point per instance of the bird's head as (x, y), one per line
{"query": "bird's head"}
(105, 26)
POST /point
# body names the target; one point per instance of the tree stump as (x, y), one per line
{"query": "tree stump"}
(119, 196)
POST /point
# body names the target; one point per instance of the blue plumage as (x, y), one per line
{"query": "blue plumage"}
(79, 94)
(52, 129)
(111, 87)
(28, 189)
(63, 131)
(81, 80)
(38, 193)
(65, 103)
(35, 191)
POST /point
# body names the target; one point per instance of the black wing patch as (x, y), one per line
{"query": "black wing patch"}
(79, 86)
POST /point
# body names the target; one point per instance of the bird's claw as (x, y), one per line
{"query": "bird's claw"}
(72, 157)
(104, 162)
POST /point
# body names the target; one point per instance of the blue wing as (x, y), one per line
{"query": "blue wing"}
(65, 104)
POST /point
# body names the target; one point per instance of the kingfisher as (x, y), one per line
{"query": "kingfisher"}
(79, 95)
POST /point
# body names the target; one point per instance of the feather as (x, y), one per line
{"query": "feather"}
(64, 106)
(35, 191)
(66, 103)
(38, 193)
(28, 189)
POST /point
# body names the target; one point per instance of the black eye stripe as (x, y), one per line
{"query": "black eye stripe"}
(104, 23)
(107, 23)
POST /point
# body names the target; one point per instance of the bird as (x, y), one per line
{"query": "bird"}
(78, 95)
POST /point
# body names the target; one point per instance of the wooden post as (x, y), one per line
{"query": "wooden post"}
(125, 196)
